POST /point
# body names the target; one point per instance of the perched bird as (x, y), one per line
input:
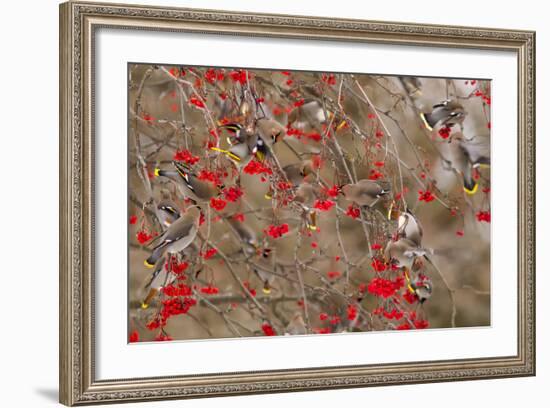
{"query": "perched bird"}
(168, 212)
(179, 235)
(409, 227)
(446, 113)
(403, 252)
(239, 133)
(263, 268)
(242, 145)
(246, 234)
(421, 286)
(305, 196)
(297, 172)
(465, 155)
(188, 183)
(310, 114)
(267, 279)
(155, 281)
(296, 325)
(269, 132)
(366, 192)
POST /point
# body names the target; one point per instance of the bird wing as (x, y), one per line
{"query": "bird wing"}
(413, 230)
(478, 150)
(369, 188)
(179, 229)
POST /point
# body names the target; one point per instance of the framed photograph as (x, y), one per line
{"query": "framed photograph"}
(260, 203)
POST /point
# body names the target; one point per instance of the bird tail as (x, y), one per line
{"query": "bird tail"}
(311, 221)
(260, 155)
(158, 172)
(427, 120)
(155, 256)
(470, 186)
(145, 302)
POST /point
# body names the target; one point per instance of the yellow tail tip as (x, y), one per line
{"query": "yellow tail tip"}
(312, 227)
(267, 196)
(426, 122)
(144, 305)
(473, 190)
(341, 125)
(411, 289)
(147, 264)
(260, 156)
(157, 172)
(267, 291)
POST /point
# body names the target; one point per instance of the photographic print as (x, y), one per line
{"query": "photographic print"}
(278, 202)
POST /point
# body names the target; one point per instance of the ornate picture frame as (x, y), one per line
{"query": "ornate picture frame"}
(78, 25)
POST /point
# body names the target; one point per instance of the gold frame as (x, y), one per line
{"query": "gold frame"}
(78, 22)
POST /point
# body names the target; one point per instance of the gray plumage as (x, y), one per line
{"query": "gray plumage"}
(307, 193)
(188, 183)
(158, 278)
(310, 114)
(177, 237)
(263, 267)
(168, 212)
(409, 227)
(403, 252)
(242, 144)
(297, 172)
(366, 192)
(446, 113)
(466, 154)
(305, 196)
(477, 149)
(422, 287)
(266, 277)
(246, 234)
(268, 132)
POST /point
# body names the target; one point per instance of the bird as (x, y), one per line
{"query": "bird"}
(296, 325)
(242, 145)
(297, 172)
(269, 132)
(446, 113)
(366, 192)
(267, 279)
(155, 281)
(262, 270)
(168, 212)
(239, 132)
(178, 236)
(246, 234)
(409, 227)
(421, 286)
(188, 183)
(305, 196)
(465, 155)
(310, 114)
(403, 252)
